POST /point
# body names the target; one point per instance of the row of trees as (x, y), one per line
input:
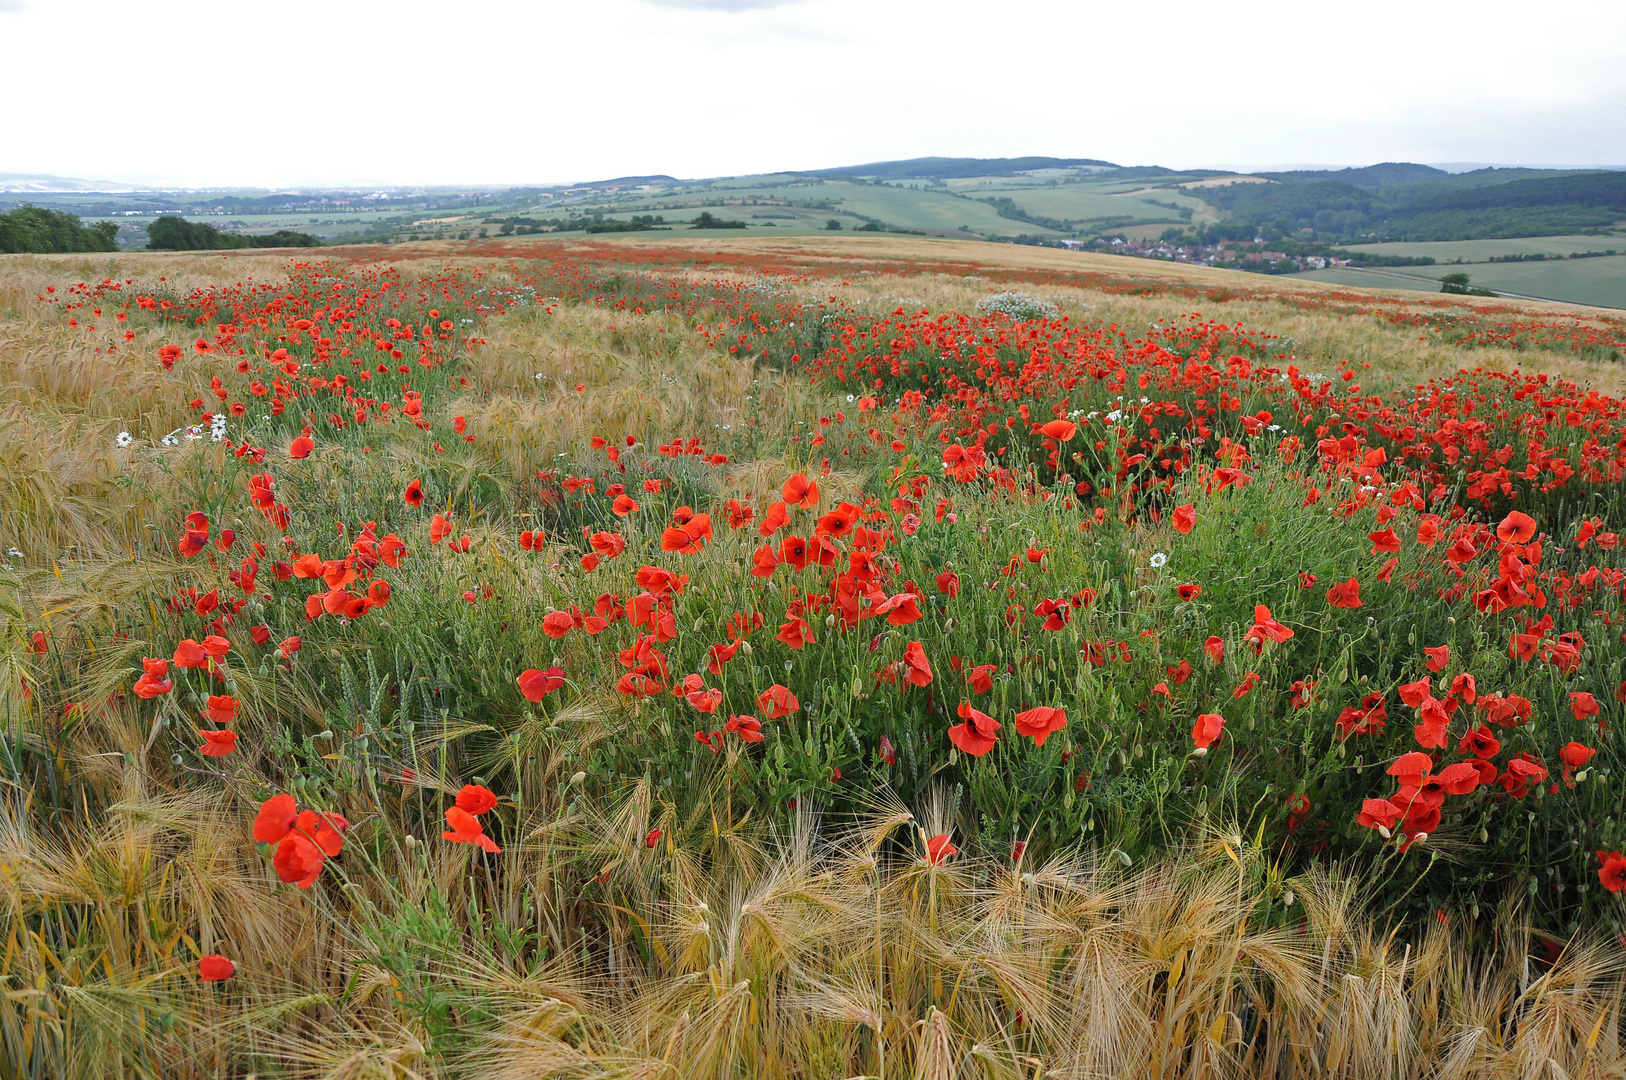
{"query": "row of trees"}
(35, 230)
(178, 234)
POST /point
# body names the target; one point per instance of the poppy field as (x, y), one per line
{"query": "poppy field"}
(594, 660)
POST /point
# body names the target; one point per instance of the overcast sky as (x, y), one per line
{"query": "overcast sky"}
(535, 91)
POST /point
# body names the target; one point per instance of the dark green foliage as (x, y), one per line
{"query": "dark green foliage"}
(1458, 284)
(286, 238)
(1385, 203)
(178, 234)
(706, 220)
(34, 230)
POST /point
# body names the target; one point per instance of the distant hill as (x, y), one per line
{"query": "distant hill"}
(1387, 174)
(1404, 201)
(1548, 206)
(945, 168)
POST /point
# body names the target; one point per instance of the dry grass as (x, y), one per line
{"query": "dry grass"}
(808, 953)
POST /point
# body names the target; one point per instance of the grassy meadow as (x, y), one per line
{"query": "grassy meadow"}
(781, 657)
(1599, 281)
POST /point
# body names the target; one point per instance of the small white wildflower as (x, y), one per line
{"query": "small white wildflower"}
(1114, 415)
(850, 399)
(1159, 560)
(1274, 427)
(14, 553)
(125, 438)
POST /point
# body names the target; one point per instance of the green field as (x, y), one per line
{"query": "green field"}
(1478, 251)
(1600, 281)
(914, 204)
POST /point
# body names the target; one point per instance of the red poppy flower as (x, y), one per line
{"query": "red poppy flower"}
(763, 561)
(1612, 874)
(1463, 687)
(298, 861)
(154, 680)
(793, 550)
(220, 709)
(1184, 518)
(748, 728)
(777, 701)
(1522, 772)
(439, 528)
(1583, 704)
(1516, 528)
(465, 829)
(413, 495)
(938, 849)
(536, 685)
(1208, 727)
(704, 701)
(556, 624)
(289, 646)
(901, 610)
(1189, 592)
(977, 735)
(775, 520)
(918, 670)
(1459, 778)
(1462, 551)
(1345, 594)
(652, 838)
(795, 632)
(1056, 614)
(1479, 743)
(1438, 657)
(1265, 628)
(1378, 814)
(1247, 684)
(1060, 430)
(217, 743)
(301, 447)
(948, 582)
(1040, 722)
(215, 968)
(800, 491)
(1409, 770)
(690, 538)
(476, 800)
(1384, 542)
(189, 654)
(981, 678)
(1215, 648)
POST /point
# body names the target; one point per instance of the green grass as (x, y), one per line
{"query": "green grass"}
(1600, 282)
(1474, 251)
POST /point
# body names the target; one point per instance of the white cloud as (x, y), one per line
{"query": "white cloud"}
(9, 7)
